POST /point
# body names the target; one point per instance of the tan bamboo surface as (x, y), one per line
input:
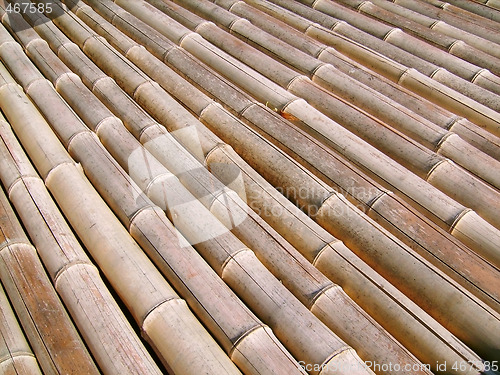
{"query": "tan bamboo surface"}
(107, 333)
(141, 124)
(468, 131)
(477, 8)
(165, 319)
(477, 52)
(419, 79)
(109, 31)
(485, 241)
(211, 154)
(327, 76)
(220, 251)
(466, 21)
(53, 337)
(310, 286)
(394, 37)
(442, 27)
(16, 356)
(371, 192)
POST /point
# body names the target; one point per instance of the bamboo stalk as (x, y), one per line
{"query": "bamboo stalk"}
(354, 44)
(54, 339)
(16, 356)
(398, 117)
(442, 27)
(369, 162)
(479, 26)
(476, 8)
(446, 50)
(117, 254)
(145, 121)
(254, 11)
(153, 136)
(406, 42)
(106, 331)
(219, 256)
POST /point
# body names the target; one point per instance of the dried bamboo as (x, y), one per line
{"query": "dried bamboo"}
(442, 27)
(55, 341)
(476, 8)
(473, 134)
(398, 117)
(188, 91)
(192, 226)
(106, 331)
(440, 49)
(108, 29)
(158, 143)
(405, 42)
(479, 26)
(280, 98)
(149, 299)
(16, 356)
(433, 87)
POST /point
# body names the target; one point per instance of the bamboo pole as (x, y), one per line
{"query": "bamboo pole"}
(295, 214)
(398, 117)
(396, 37)
(55, 341)
(165, 78)
(479, 26)
(309, 287)
(154, 136)
(476, 8)
(442, 27)
(443, 89)
(194, 223)
(108, 29)
(250, 9)
(280, 98)
(473, 51)
(152, 302)
(106, 331)
(16, 356)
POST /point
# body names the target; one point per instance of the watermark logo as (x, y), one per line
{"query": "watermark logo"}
(222, 191)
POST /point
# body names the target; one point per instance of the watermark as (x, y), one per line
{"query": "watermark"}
(310, 201)
(442, 367)
(188, 211)
(20, 14)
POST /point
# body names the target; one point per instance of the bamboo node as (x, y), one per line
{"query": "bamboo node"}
(479, 74)
(245, 335)
(390, 32)
(459, 217)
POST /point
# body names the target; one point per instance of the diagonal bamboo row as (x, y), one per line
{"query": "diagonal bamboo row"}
(312, 288)
(477, 8)
(468, 131)
(398, 117)
(16, 356)
(121, 78)
(443, 89)
(324, 350)
(46, 323)
(466, 21)
(164, 318)
(140, 125)
(404, 42)
(433, 42)
(447, 212)
(220, 251)
(442, 27)
(370, 192)
(106, 331)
